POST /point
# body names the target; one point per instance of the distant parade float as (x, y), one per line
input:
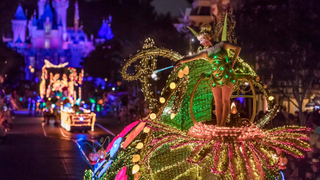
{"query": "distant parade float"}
(178, 140)
(60, 88)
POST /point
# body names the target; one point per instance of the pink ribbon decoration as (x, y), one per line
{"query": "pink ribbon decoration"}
(133, 134)
(122, 174)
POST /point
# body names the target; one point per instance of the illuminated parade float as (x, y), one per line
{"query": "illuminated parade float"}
(178, 140)
(63, 97)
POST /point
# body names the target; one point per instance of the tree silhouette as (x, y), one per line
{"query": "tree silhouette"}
(283, 38)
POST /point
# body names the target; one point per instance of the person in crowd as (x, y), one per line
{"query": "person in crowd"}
(308, 176)
(315, 137)
(293, 172)
(293, 120)
(285, 114)
(315, 169)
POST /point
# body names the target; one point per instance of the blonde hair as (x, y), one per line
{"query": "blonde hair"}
(205, 32)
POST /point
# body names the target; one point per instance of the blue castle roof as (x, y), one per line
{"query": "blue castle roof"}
(105, 31)
(20, 14)
(47, 13)
(18, 40)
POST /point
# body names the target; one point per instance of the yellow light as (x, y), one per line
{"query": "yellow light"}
(32, 70)
(153, 115)
(146, 130)
(172, 115)
(270, 98)
(30, 67)
(106, 79)
(49, 99)
(135, 168)
(136, 158)
(172, 85)
(139, 146)
(162, 100)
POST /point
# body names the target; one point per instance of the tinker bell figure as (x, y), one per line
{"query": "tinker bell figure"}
(222, 76)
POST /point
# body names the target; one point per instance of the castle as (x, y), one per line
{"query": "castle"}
(46, 36)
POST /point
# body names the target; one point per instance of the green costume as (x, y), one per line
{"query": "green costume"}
(222, 72)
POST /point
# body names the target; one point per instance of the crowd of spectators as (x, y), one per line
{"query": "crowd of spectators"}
(307, 168)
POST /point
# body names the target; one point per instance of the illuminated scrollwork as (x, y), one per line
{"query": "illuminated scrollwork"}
(148, 64)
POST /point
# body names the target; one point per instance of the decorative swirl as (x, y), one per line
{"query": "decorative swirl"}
(148, 65)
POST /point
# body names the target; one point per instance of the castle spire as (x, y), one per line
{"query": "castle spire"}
(20, 14)
(76, 16)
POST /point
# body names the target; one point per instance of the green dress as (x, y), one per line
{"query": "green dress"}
(221, 66)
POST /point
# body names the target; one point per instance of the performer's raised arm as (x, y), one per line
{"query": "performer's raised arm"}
(201, 54)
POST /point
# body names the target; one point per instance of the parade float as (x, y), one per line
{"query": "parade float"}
(60, 88)
(178, 141)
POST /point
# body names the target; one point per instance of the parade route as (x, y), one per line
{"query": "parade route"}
(37, 151)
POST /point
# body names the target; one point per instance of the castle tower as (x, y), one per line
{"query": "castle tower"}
(61, 7)
(41, 5)
(76, 16)
(19, 25)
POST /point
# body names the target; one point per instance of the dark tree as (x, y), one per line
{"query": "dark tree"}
(283, 38)
(11, 66)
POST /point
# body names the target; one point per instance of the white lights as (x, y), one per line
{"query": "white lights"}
(154, 76)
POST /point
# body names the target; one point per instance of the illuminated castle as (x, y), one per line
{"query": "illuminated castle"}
(46, 36)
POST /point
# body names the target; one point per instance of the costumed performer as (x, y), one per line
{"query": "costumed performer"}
(222, 76)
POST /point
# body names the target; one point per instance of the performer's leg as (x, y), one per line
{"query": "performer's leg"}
(217, 95)
(226, 94)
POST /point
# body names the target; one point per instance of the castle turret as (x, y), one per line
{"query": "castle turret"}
(19, 25)
(41, 5)
(105, 31)
(30, 26)
(76, 16)
(61, 7)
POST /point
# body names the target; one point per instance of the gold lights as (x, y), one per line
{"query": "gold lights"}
(270, 98)
(172, 115)
(139, 146)
(146, 130)
(153, 116)
(135, 168)
(136, 158)
(172, 85)
(162, 100)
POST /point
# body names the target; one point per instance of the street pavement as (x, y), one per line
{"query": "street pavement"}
(36, 151)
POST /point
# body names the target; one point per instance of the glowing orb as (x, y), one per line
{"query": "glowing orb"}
(139, 146)
(162, 100)
(172, 85)
(136, 158)
(153, 115)
(135, 168)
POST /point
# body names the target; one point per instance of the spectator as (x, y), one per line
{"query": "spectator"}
(293, 172)
(285, 113)
(292, 120)
(315, 138)
(315, 169)
(308, 176)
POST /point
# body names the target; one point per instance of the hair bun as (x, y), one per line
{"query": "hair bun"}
(206, 27)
